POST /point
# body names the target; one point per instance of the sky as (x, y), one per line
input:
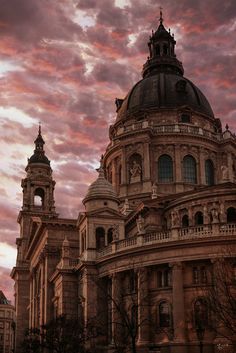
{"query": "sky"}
(63, 63)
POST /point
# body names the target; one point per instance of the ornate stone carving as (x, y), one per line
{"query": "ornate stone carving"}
(224, 172)
(140, 225)
(154, 191)
(135, 172)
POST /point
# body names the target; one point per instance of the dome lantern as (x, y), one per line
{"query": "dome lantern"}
(162, 56)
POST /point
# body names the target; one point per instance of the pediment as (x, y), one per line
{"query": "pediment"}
(104, 212)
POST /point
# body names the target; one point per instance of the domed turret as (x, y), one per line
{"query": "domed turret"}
(101, 193)
(39, 153)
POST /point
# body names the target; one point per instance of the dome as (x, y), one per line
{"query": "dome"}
(164, 90)
(163, 85)
(101, 189)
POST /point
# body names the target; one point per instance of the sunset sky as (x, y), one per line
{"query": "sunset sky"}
(63, 63)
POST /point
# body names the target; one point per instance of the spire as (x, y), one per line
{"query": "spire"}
(162, 56)
(39, 153)
(161, 19)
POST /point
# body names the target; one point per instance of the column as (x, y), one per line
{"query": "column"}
(178, 169)
(143, 307)
(178, 303)
(201, 172)
(230, 166)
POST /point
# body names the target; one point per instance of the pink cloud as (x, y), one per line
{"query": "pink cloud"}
(68, 76)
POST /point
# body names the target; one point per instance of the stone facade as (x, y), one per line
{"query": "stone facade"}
(162, 209)
(7, 325)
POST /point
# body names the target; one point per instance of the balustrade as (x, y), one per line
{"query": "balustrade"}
(196, 232)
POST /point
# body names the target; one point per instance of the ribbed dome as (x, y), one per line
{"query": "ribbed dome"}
(164, 90)
(101, 189)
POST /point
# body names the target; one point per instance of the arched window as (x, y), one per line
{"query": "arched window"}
(165, 49)
(201, 313)
(109, 235)
(209, 172)
(39, 197)
(185, 118)
(158, 49)
(185, 221)
(165, 169)
(198, 218)
(189, 170)
(231, 215)
(100, 238)
(164, 313)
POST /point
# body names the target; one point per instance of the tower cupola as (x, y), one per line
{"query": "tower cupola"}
(39, 153)
(101, 192)
(38, 186)
(162, 56)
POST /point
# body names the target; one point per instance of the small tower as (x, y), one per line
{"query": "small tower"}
(102, 223)
(38, 186)
(38, 203)
(162, 56)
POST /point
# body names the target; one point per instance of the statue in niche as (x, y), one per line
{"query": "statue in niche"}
(224, 172)
(135, 172)
(222, 212)
(215, 215)
(140, 225)
(174, 219)
(154, 191)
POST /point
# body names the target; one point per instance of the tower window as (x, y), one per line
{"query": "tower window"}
(164, 278)
(100, 238)
(165, 169)
(209, 172)
(185, 118)
(189, 170)
(231, 215)
(198, 218)
(157, 49)
(39, 197)
(165, 49)
(185, 221)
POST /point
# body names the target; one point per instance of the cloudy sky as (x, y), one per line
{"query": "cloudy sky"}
(63, 63)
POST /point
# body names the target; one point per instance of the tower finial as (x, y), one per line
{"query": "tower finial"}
(161, 19)
(40, 128)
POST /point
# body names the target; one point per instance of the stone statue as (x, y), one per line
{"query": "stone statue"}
(154, 191)
(140, 225)
(174, 219)
(224, 172)
(214, 214)
(126, 208)
(135, 172)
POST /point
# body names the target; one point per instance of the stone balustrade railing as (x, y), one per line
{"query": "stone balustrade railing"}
(174, 234)
(171, 128)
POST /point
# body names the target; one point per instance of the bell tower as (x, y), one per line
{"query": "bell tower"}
(162, 57)
(38, 205)
(38, 186)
